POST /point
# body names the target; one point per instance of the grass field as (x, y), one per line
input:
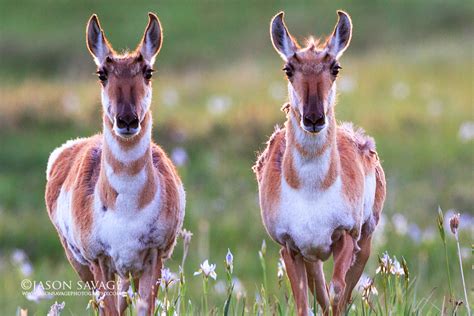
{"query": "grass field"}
(407, 79)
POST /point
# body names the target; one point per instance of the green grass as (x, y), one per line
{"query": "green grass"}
(410, 68)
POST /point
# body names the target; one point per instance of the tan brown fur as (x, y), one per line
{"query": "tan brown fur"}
(332, 173)
(289, 171)
(106, 179)
(169, 179)
(380, 191)
(132, 168)
(108, 195)
(268, 169)
(352, 169)
(314, 153)
(77, 160)
(59, 173)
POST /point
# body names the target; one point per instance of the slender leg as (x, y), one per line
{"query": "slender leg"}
(296, 271)
(110, 286)
(83, 271)
(148, 287)
(103, 279)
(354, 273)
(122, 304)
(343, 252)
(317, 284)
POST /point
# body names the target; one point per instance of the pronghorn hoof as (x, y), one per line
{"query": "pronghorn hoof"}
(335, 293)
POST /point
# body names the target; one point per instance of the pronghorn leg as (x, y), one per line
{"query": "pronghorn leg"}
(83, 271)
(317, 284)
(296, 271)
(148, 287)
(103, 280)
(123, 284)
(110, 286)
(343, 251)
(354, 273)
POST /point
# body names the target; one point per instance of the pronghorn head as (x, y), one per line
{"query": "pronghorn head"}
(126, 78)
(312, 70)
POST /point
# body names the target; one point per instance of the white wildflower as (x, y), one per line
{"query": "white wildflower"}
(239, 288)
(347, 84)
(400, 90)
(263, 249)
(38, 294)
(400, 224)
(218, 104)
(56, 309)
(97, 300)
(179, 156)
(220, 287)
(414, 232)
(167, 278)
(129, 294)
(169, 97)
(466, 131)
(208, 270)
(229, 261)
(368, 289)
(396, 268)
(277, 91)
(26, 268)
(20, 259)
(385, 263)
(141, 307)
(18, 256)
(281, 269)
(186, 235)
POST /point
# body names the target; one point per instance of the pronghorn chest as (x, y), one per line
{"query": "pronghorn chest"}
(307, 219)
(126, 230)
(308, 215)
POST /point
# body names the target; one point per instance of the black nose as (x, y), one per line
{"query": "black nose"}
(312, 119)
(127, 121)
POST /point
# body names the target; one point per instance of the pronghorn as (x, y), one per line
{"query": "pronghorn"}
(115, 198)
(321, 185)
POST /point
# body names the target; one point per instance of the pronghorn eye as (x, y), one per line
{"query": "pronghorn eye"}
(288, 71)
(335, 69)
(148, 74)
(102, 75)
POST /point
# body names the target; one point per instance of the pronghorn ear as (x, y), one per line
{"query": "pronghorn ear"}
(341, 37)
(283, 42)
(152, 39)
(97, 44)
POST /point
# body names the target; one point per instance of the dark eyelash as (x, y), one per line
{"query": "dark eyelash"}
(102, 74)
(335, 67)
(288, 70)
(148, 73)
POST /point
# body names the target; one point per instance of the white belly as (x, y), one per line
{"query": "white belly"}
(308, 218)
(124, 233)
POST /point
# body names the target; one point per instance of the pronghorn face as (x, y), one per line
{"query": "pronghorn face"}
(125, 79)
(311, 71)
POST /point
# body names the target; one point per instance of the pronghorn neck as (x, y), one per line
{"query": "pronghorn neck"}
(127, 166)
(310, 158)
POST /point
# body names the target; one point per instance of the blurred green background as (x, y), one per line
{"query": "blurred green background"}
(407, 79)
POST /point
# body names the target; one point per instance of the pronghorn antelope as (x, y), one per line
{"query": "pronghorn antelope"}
(321, 185)
(115, 198)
